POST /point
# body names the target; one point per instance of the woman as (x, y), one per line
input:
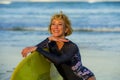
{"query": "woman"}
(62, 52)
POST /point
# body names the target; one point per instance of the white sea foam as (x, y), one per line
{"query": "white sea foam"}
(102, 29)
(89, 29)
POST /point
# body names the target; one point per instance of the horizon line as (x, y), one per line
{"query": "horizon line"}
(9, 2)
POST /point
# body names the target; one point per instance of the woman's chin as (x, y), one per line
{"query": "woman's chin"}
(56, 35)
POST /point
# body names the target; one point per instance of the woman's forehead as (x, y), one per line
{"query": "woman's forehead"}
(58, 20)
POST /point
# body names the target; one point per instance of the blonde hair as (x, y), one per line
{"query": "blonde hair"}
(67, 22)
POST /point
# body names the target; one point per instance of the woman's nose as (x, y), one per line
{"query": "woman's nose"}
(56, 26)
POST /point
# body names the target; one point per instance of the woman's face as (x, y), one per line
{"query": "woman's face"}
(58, 28)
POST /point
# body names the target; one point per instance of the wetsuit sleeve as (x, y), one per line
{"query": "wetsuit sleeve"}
(71, 50)
(43, 44)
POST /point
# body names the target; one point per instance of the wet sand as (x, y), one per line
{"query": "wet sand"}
(105, 65)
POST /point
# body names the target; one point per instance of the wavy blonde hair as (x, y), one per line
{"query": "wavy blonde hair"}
(67, 22)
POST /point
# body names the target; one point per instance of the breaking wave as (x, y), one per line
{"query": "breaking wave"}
(103, 29)
(25, 29)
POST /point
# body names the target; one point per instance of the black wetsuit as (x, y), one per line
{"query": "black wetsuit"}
(67, 60)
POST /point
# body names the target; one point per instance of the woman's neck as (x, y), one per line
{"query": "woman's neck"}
(60, 45)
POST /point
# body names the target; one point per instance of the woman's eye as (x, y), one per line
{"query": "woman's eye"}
(53, 24)
(60, 24)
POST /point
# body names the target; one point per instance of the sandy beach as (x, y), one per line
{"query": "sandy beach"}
(104, 64)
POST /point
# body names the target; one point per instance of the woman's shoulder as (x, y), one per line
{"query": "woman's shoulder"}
(72, 43)
(72, 46)
(43, 43)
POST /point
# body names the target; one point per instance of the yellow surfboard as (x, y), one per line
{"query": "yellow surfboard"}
(35, 67)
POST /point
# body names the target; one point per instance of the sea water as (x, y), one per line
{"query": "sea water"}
(96, 32)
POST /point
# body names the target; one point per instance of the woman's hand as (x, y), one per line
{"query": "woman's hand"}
(27, 50)
(52, 38)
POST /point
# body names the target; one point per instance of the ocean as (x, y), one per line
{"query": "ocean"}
(96, 32)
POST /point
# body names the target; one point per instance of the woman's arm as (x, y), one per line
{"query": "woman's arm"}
(30, 49)
(27, 50)
(43, 44)
(71, 50)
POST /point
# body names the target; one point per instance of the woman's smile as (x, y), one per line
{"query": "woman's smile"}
(57, 28)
